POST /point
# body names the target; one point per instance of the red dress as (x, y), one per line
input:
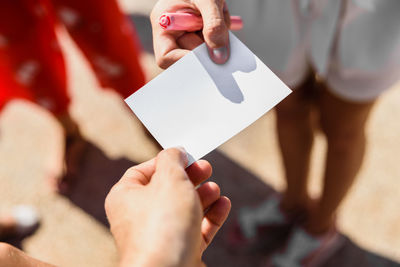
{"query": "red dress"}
(31, 62)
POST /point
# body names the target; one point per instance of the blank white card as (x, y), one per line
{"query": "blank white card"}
(199, 105)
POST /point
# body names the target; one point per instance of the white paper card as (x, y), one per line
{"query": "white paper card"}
(199, 105)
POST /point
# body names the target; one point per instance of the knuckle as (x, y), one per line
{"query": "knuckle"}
(169, 153)
(130, 172)
(175, 173)
(110, 198)
(215, 187)
(218, 3)
(207, 239)
(153, 15)
(108, 202)
(214, 26)
(107, 206)
(162, 62)
(215, 30)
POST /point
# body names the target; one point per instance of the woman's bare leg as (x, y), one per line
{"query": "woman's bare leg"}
(295, 132)
(343, 123)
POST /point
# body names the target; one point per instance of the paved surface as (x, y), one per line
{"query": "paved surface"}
(73, 231)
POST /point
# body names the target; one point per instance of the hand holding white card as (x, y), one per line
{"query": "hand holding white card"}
(199, 105)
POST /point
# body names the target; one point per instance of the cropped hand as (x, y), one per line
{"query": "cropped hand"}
(159, 218)
(170, 46)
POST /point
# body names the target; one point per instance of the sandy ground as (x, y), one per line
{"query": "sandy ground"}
(31, 152)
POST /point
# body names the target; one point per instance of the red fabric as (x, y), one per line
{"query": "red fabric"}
(31, 63)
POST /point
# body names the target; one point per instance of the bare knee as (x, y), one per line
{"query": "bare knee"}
(342, 122)
(291, 109)
(344, 140)
(292, 121)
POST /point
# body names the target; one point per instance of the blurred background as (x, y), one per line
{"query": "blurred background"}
(73, 229)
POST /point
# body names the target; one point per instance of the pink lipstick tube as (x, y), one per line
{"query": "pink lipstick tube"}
(191, 22)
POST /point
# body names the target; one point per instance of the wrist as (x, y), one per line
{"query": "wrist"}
(134, 256)
(159, 259)
(144, 260)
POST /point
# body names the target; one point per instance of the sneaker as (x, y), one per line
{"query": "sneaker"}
(260, 228)
(305, 250)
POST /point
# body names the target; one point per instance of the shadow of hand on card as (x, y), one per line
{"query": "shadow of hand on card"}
(224, 75)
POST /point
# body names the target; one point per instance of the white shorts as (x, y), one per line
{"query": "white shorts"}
(354, 45)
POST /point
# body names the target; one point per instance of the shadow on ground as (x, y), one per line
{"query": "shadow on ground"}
(245, 189)
(93, 182)
(99, 173)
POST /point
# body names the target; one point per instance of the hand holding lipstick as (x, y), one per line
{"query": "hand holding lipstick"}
(170, 46)
(189, 22)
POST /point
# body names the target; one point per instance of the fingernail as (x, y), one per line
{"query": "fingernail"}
(181, 148)
(219, 55)
(184, 153)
